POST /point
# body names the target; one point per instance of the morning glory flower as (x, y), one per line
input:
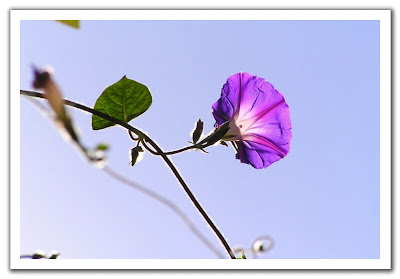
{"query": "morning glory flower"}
(258, 117)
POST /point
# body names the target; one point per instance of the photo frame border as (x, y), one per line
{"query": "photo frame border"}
(384, 16)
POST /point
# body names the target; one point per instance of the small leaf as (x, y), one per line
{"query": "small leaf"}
(135, 154)
(223, 143)
(243, 256)
(53, 256)
(124, 100)
(37, 256)
(102, 146)
(72, 23)
(197, 131)
(204, 151)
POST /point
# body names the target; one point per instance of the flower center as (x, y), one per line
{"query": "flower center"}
(236, 130)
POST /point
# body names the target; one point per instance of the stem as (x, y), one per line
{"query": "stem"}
(132, 137)
(171, 152)
(26, 257)
(180, 150)
(193, 199)
(159, 151)
(166, 202)
(149, 149)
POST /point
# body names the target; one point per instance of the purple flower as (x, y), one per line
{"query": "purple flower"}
(259, 119)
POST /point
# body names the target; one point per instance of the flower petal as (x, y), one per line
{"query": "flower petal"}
(257, 155)
(272, 128)
(278, 113)
(281, 147)
(259, 100)
(222, 111)
(229, 103)
(255, 92)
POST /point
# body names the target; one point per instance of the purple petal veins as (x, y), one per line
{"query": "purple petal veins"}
(259, 119)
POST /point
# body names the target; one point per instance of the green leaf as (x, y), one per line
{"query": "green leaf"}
(243, 256)
(124, 100)
(102, 146)
(72, 23)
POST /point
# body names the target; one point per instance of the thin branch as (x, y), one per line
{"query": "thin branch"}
(180, 150)
(169, 152)
(149, 149)
(132, 137)
(167, 203)
(26, 257)
(158, 150)
(174, 151)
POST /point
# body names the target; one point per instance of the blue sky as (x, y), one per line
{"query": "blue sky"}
(321, 201)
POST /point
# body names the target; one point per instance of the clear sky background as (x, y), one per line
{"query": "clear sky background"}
(321, 201)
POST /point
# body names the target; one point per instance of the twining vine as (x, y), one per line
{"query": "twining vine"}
(250, 114)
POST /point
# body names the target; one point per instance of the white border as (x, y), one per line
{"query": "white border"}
(384, 16)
